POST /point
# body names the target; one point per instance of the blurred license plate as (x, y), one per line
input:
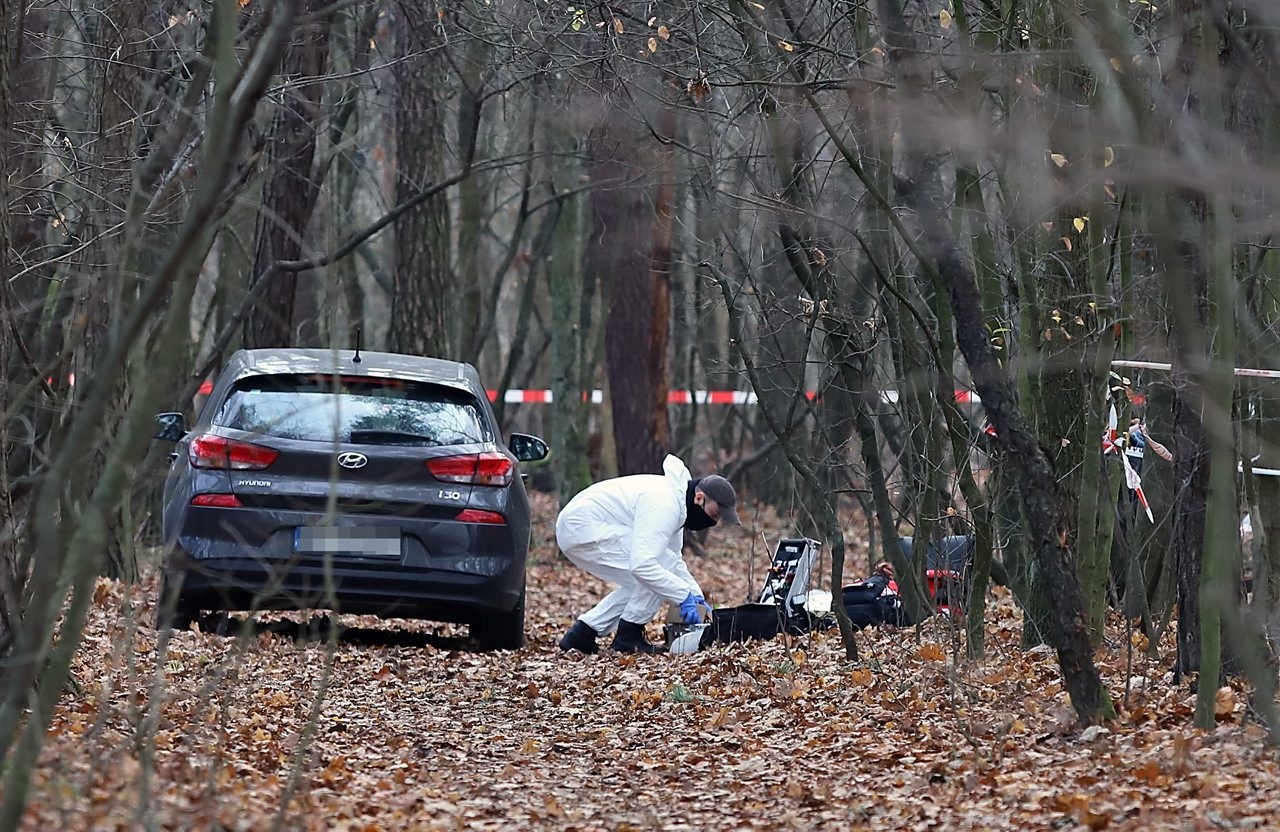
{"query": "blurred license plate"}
(369, 541)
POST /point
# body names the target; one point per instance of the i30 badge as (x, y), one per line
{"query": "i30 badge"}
(352, 460)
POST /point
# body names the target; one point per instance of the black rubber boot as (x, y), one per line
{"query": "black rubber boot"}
(581, 638)
(630, 639)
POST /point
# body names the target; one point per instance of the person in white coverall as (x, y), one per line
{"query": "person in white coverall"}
(629, 531)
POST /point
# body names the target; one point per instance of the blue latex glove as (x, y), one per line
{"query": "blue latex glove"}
(691, 608)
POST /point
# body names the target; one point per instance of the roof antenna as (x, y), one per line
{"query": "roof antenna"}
(355, 359)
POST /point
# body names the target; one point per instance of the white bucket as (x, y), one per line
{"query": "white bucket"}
(688, 641)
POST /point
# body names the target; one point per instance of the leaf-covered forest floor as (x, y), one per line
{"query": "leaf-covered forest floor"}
(393, 725)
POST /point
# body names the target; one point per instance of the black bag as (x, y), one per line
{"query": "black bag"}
(749, 621)
(868, 604)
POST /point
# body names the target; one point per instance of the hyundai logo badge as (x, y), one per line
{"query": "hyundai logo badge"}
(353, 460)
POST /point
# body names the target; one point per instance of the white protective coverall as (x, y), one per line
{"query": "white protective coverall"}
(629, 531)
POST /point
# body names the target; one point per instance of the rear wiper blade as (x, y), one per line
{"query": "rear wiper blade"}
(390, 437)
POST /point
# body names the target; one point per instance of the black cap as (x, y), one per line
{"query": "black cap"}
(718, 488)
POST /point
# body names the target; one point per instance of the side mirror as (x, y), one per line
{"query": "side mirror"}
(528, 448)
(170, 427)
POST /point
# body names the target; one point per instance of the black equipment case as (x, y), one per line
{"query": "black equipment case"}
(779, 607)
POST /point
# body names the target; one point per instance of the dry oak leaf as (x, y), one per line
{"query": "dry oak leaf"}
(932, 652)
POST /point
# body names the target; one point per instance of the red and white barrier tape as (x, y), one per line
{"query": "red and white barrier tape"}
(693, 396)
(1251, 372)
(747, 397)
(673, 397)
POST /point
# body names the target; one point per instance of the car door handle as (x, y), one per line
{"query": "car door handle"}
(173, 455)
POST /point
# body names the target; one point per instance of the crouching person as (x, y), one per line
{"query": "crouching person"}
(629, 531)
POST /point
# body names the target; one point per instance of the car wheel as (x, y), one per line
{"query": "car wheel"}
(173, 612)
(501, 631)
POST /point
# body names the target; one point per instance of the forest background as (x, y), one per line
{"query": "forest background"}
(869, 216)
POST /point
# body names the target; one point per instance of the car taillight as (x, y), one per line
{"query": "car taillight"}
(475, 515)
(488, 468)
(216, 500)
(209, 451)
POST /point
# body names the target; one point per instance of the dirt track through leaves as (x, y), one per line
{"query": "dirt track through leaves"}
(414, 732)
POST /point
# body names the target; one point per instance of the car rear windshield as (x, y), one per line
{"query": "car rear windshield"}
(353, 409)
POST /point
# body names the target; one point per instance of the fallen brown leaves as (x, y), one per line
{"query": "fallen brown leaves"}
(393, 726)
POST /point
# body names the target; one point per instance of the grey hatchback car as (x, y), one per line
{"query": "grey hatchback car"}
(360, 482)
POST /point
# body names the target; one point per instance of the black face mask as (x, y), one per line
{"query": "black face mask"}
(696, 519)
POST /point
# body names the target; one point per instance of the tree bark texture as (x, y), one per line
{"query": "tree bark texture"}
(290, 190)
(630, 251)
(1184, 250)
(27, 224)
(10, 577)
(572, 330)
(423, 282)
(28, 85)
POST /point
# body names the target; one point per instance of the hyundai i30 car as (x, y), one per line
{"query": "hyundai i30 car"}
(361, 482)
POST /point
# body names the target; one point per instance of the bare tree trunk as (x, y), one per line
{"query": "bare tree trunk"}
(28, 227)
(423, 282)
(10, 576)
(1041, 497)
(28, 82)
(1183, 247)
(472, 201)
(1220, 590)
(290, 191)
(115, 56)
(572, 329)
(630, 249)
(350, 56)
(1191, 485)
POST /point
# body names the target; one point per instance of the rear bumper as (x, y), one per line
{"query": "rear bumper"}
(244, 559)
(475, 586)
